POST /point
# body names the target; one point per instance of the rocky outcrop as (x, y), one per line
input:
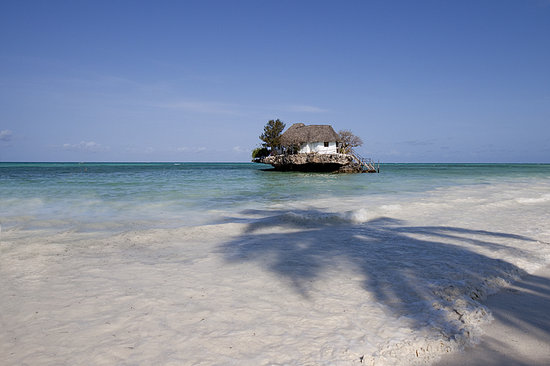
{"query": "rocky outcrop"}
(314, 163)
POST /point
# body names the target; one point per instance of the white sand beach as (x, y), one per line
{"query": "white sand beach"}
(520, 331)
(399, 282)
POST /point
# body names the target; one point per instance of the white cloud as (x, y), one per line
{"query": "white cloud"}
(5, 135)
(86, 146)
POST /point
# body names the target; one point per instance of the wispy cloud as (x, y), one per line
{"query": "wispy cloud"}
(204, 107)
(85, 146)
(6, 135)
(140, 150)
(191, 149)
(215, 107)
(307, 109)
(239, 149)
(419, 142)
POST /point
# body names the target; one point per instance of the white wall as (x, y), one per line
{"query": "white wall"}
(318, 147)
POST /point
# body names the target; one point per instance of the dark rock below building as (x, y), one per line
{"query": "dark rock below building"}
(342, 163)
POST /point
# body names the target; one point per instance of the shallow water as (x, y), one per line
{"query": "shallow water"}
(230, 264)
(160, 194)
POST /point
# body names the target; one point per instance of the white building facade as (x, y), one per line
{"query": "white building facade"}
(325, 147)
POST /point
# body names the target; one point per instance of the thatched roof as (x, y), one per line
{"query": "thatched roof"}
(299, 133)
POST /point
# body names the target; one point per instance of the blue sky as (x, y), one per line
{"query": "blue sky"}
(419, 81)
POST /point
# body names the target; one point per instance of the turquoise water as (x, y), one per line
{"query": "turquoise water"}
(185, 193)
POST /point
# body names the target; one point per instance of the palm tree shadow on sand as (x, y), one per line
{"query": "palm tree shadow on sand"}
(433, 275)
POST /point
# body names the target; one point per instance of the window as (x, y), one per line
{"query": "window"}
(326, 144)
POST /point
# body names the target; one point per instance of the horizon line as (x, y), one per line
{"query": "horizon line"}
(243, 162)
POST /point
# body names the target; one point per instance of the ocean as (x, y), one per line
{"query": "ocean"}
(233, 263)
(160, 194)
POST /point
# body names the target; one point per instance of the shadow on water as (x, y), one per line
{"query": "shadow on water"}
(422, 273)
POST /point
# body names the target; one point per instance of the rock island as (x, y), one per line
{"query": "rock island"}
(316, 148)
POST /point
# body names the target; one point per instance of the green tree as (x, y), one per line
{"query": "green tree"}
(259, 152)
(349, 141)
(272, 134)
